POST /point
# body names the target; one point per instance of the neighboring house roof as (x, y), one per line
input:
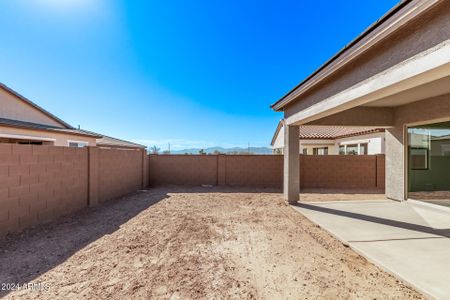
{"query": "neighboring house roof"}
(102, 140)
(31, 103)
(108, 141)
(35, 126)
(399, 15)
(113, 142)
(327, 132)
(334, 132)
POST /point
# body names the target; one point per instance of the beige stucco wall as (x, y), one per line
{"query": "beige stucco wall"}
(60, 139)
(425, 32)
(13, 108)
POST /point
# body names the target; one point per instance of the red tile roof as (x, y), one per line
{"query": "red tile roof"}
(327, 132)
(334, 132)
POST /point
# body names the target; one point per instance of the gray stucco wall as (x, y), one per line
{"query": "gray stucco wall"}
(425, 32)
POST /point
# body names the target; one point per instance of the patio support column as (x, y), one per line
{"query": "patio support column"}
(395, 163)
(291, 180)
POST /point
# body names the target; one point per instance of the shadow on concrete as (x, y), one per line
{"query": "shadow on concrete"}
(26, 255)
(383, 221)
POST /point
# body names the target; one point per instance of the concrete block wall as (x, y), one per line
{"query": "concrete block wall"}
(183, 169)
(332, 171)
(120, 172)
(381, 171)
(254, 170)
(223, 170)
(40, 183)
(342, 171)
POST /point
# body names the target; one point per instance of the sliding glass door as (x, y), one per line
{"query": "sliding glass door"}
(429, 163)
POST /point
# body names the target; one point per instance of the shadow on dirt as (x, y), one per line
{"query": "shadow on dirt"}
(217, 189)
(26, 255)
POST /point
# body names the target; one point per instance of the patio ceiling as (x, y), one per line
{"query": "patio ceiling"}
(431, 89)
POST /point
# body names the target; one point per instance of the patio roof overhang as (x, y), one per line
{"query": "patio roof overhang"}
(363, 83)
(371, 102)
(395, 76)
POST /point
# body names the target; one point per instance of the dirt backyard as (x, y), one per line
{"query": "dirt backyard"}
(173, 243)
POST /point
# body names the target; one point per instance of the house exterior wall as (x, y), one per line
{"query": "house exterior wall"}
(375, 141)
(417, 36)
(58, 139)
(430, 110)
(15, 109)
(279, 140)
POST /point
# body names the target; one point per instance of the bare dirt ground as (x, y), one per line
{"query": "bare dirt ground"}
(325, 195)
(173, 243)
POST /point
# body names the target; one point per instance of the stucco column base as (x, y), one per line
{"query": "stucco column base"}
(291, 180)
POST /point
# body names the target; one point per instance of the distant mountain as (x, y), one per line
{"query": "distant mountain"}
(234, 150)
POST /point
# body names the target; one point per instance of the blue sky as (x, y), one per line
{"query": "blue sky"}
(192, 73)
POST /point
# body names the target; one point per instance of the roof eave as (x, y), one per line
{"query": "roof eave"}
(57, 130)
(277, 131)
(31, 103)
(326, 69)
(121, 146)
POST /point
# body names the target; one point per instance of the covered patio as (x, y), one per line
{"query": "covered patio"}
(395, 75)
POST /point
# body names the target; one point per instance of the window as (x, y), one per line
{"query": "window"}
(352, 149)
(342, 150)
(29, 143)
(77, 144)
(320, 151)
(305, 151)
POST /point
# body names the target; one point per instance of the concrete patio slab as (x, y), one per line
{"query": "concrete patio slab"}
(397, 236)
(436, 215)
